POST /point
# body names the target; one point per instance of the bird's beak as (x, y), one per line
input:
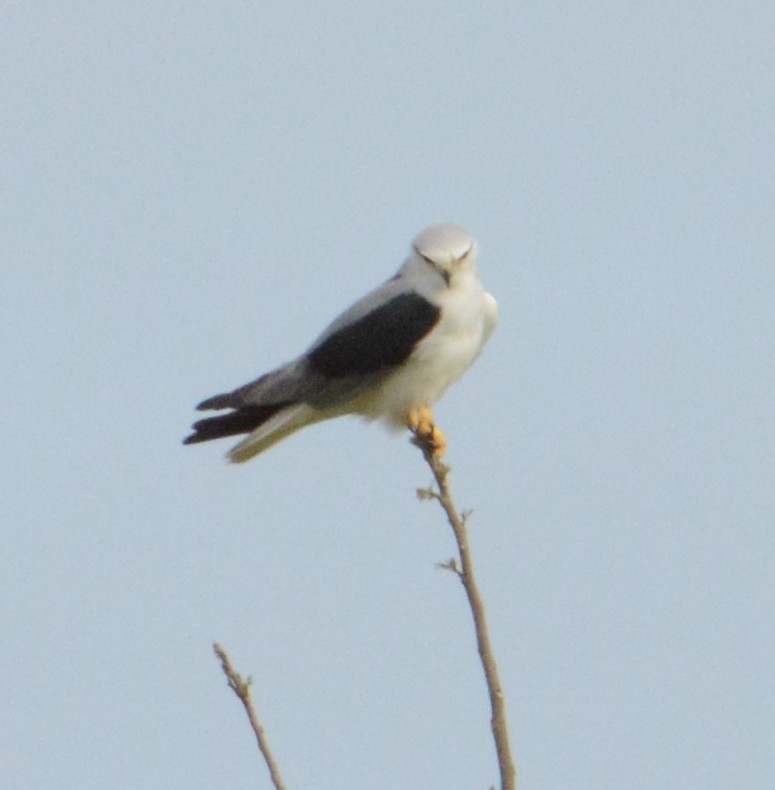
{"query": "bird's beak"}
(437, 266)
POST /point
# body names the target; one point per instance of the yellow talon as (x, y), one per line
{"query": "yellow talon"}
(420, 420)
(421, 423)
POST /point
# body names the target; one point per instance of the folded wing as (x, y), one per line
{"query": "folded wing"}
(356, 353)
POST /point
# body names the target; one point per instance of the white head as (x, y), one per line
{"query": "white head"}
(448, 249)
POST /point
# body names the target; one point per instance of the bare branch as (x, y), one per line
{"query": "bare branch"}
(465, 572)
(242, 689)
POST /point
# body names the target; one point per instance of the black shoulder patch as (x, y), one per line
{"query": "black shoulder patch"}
(383, 338)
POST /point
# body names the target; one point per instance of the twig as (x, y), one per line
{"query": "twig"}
(465, 572)
(242, 689)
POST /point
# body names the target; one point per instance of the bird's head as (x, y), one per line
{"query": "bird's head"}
(447, 249)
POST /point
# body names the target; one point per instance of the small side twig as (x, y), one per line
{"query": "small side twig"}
(242, 689)
(464, 569)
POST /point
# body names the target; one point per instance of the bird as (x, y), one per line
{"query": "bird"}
(389, 357)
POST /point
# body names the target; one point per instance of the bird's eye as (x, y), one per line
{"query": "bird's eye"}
(424, 257)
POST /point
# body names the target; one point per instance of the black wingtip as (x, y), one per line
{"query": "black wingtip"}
(242, 420)
(222, 401)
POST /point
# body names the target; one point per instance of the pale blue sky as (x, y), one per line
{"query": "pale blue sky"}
(191, 191)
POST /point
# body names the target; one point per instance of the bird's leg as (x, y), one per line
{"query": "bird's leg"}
(421, 423)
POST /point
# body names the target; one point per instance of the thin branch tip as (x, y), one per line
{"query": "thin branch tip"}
(424, 494)
(449, 565)
(462, 566)
(241, 689)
